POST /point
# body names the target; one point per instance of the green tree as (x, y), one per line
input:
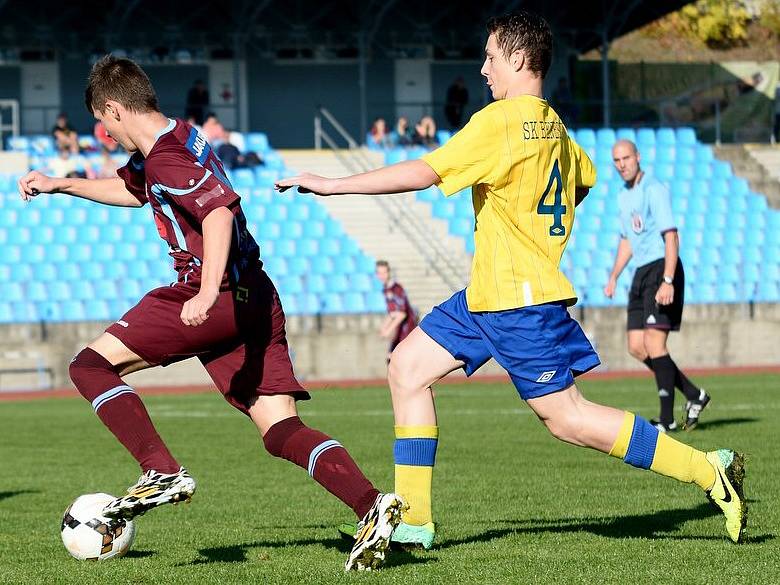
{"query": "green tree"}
(720, 24)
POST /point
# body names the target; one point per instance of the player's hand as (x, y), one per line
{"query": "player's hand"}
(306, 183)
(34, 183)
(196, 311)
(609, 289)
(665, 294)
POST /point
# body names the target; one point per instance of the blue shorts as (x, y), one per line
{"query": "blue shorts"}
(541, 347)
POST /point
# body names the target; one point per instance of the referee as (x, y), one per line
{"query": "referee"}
(655, 302)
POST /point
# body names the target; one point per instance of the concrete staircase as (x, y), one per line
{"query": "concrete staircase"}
(759, 164)
(377, 231)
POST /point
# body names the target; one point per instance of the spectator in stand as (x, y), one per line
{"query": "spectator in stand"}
(425, 133)
(227, 145)
(378, 137)
(402, 135)
(197, 102)
(65, 165)
(777, 113)
(457, 100)
(108, 166)
(64, 135)
(104, 139)
(401, 316)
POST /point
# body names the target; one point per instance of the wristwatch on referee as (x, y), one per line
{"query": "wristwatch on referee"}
(668, 279)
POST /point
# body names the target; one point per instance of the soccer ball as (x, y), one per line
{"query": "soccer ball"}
(89, 536)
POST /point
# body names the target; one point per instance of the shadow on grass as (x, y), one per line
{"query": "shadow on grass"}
(724, 422)
(237, 553)
(140, 554)
(661, 525)
(11, 494)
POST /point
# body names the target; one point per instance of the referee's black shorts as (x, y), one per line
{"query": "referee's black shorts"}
(643, 311)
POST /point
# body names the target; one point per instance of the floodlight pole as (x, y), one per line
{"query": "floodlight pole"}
(605, 77)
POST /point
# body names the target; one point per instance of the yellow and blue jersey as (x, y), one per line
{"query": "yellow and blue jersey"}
(523, 170)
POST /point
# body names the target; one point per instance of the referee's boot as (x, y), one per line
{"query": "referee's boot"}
(693, 409)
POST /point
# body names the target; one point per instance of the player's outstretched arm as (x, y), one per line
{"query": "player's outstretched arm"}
(621, 259)
(410, 175)
(107, 191)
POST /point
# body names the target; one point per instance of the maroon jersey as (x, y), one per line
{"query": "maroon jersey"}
(396, 299)
(183, 181)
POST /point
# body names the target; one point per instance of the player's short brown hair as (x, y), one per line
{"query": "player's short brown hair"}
(527, 32)
(121, 80)
(383, 263)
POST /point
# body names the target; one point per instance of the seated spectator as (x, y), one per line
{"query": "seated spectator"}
(64, 135)
(214, 131)
(108, 165)
(402, 136)
(378, 138)
(104, 140)
(65, 165)
(425, 133)
(228, 146)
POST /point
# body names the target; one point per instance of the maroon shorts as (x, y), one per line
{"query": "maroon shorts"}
(242, 344)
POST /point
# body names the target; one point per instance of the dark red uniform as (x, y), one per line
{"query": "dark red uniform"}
(243, 344)
(397, 301)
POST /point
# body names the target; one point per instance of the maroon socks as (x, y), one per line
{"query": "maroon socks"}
(326, 461)
(121, 410)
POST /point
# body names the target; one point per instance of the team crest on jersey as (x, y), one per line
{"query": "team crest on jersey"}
(198, 145)
(637, 223)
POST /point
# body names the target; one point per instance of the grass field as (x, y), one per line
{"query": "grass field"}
(512, 504)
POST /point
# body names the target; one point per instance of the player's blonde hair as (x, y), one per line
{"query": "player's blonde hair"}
(527, 32)
(121, 80)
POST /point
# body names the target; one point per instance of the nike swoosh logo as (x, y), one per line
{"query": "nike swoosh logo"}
(727, 497)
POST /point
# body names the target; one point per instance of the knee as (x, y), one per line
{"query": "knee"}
(637, 350)
(566, 427)
(278, 434)
(87, 367)
(401, 373)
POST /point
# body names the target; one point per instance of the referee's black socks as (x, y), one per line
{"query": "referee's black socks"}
(681, 381)
(665, 370)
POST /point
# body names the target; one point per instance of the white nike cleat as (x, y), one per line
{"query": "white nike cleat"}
(152, 489)
(374, 531)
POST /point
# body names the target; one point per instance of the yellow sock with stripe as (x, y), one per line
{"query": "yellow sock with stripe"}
(640, 444)
(415, 454)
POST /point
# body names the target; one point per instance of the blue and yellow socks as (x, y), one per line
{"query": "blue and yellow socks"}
(640, 444)
(415, 454)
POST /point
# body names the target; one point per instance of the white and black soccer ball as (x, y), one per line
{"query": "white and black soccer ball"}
(90, 536)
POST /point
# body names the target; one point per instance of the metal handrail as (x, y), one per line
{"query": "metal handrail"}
(431, 249)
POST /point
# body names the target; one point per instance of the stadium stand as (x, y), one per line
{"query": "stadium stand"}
(67, 259)
(730, 237)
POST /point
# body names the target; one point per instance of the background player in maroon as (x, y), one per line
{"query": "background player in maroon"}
(401, 317)
(223, 309)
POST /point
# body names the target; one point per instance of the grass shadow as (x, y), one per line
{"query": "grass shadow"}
(724, 422)
(140, 554)
(662, 524)
(12, 493)
(237, 553)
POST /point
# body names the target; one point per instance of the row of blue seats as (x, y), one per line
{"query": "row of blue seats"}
(44, 143)
(641, 136)
(98, 309)
(582, 277)
(704, 293)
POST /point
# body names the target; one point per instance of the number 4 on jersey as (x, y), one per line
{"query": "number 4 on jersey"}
(557, 209)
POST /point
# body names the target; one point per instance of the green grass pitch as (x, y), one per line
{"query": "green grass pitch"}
(513, 505)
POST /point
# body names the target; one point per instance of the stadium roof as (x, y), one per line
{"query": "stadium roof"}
(40, 27)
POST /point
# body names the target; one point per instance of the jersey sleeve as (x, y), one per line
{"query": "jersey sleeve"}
(470, 157)
(660, 202)
(585, 172)
(191, 187)
(134, 177)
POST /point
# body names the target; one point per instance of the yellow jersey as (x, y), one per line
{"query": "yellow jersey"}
(523, 170)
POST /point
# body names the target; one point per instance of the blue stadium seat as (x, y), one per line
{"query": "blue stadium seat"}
(289, 304)
(299, 212)
(268, 230)
(721, 169)
(704, 153)
(314, 283)
(702, 171)
(768, 291)
(442, 136)
(365, 264)
(323, 265)
(751, 273)
(585, 137)
(285, 248)
(683, 172)
(106, 290)
(18, 143)
(265, 176)
(257, 142)
(333, 228)
(72, 310)
(345, 264)
(395, 155)
(605, 138)
(308, 246)
(11, 292)
(606, 172)
(298, 265)
(45, 272)
(96, 310)
(126, 252)
(686, 135)
(277, 213)
(664, 154)
(276, 266)
(6, 312)
(645, 137)
(361, 283)
(291, 285)
(139, 269)
(243, 178)
(756, 204)
(626, 134)
(273, 160)
(314, 228)
(308, 303)
(664, 172)
(666, 137)
(36, 291)
(332, 303)
(727, 293)
(354, 302)
(739, 187)
(375, 302)
(443, 209)
(337, 283)
(292, 229)
(460, 226)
